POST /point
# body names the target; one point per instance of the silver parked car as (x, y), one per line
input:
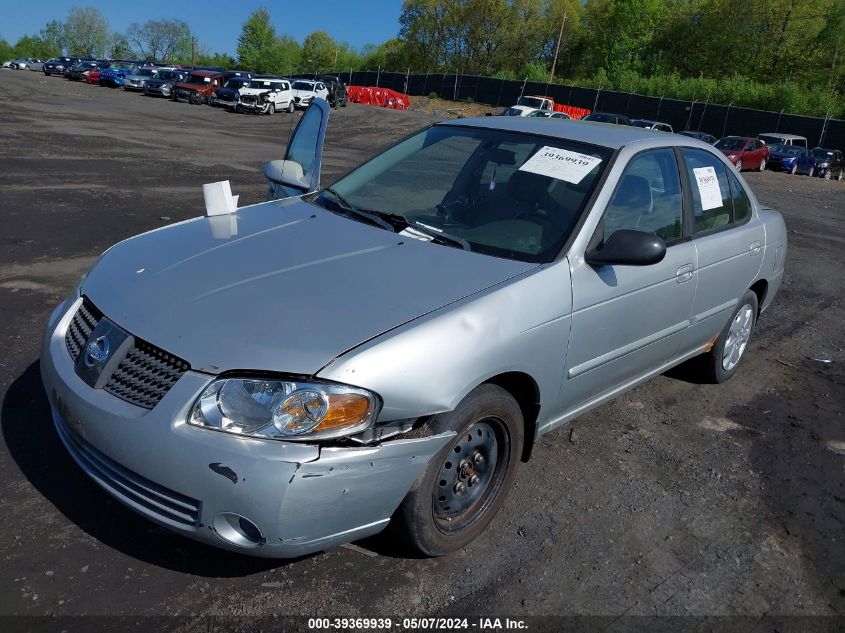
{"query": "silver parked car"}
(303, 371)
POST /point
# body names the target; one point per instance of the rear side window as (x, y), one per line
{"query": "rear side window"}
(719, 199)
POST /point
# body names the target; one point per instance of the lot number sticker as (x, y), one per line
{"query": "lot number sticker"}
(708, 188)
(561, 164)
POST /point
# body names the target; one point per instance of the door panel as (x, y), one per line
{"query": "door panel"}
(729, 244)
(628, 320)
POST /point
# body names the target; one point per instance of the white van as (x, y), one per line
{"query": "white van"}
(776, 138)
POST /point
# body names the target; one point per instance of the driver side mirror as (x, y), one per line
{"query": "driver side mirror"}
(626, 247)
(287, 173)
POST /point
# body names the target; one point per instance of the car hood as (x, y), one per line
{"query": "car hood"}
(253, 91)
(304, 93)
(282, 286)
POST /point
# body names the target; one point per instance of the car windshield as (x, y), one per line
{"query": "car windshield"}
(505, 194)
(513, 112)
(600, 117)
(640, 123)
(302, 85)
(530, 102)
(236, 83)
(167, 75)
(260, 84)
(122, 66)
(822, 153)
(199, 79)
(787, 149)
(147, 72)
(730, 143)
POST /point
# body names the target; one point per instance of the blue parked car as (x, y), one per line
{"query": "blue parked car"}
(822, 162)
(785, 157)
(115, 74)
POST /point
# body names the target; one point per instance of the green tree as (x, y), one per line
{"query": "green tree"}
(86, 32)
(319, 52)
(257, 41)
(119, 47)
(53, 39)
(161, 40)
(7, 51)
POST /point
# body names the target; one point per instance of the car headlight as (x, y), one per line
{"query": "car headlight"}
(283, 409)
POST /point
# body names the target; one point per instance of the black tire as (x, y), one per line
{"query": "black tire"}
(794, 169)
(489, 424)
(291, 108)
(195, 98)
(826, 174)
(712, 367)
(271, 108)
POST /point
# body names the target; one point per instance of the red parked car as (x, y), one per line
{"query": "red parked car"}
(93, 77)
(744, 152)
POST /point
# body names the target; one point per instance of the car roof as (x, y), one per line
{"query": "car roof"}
(781, 135)
(744, 138)
(205, 73)
(603, 134)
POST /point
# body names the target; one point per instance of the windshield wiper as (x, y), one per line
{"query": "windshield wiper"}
(438, 235)
(350, 208)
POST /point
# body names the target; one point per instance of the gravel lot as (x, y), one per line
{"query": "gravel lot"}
(676, 499)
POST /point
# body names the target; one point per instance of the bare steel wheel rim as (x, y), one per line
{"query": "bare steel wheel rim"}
(471, 475)
(738, 336)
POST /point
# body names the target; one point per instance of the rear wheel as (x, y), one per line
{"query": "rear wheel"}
(812, 172)
(841, 174)
(794, 168)
(465, 484)
(291, 107)
(722, 361)
(763, 165)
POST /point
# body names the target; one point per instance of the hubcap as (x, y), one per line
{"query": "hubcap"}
(738, 336)
(471, 474)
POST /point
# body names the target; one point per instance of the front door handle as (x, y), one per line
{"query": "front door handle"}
(684, 273)
(755, 248)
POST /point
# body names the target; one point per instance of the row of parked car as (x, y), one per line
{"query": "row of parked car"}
(235, 89)
(773, 150)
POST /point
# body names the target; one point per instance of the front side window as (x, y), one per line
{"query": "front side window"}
(504, 194)
(648, 197)
(711, 194)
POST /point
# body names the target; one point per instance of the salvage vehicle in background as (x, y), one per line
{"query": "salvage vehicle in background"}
(785, 157)
(338, 95)
(744, 152)
(162, 84)
(306, 91)
(58, 65)
(139, 79)
(227, 95)
(114, 75)
(265, 96)
(23, 63)
(652, 125)
(778, 138)
(198, 87)
(822, 162)
(545, 114)
(701, 136)
(80, 71)
(607, 117)
(388, 349)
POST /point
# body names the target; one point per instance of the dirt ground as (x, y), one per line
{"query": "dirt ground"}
(676, 499)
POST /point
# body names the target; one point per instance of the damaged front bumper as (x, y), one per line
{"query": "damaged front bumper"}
(260, 497)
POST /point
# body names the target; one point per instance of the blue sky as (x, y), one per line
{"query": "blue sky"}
(217, 23)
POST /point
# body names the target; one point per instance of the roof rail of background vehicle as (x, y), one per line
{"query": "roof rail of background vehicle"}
(602, 134)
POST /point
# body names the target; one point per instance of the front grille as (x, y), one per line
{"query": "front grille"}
(249, 99)
(80, 328)
(144, 375)
(139, 492)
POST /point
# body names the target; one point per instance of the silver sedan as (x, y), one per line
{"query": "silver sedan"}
(300, 373)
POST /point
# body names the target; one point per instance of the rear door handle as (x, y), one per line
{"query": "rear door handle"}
(684, 273)
(755, 248)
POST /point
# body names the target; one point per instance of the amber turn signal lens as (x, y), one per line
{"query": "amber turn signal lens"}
(345, 409)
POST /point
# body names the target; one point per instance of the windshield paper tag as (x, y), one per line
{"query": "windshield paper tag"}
(561, 164)
(708, 188)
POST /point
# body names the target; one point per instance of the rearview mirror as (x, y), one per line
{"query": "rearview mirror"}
(628, 248)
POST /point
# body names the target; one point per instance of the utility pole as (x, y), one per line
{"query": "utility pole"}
(557, 48)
